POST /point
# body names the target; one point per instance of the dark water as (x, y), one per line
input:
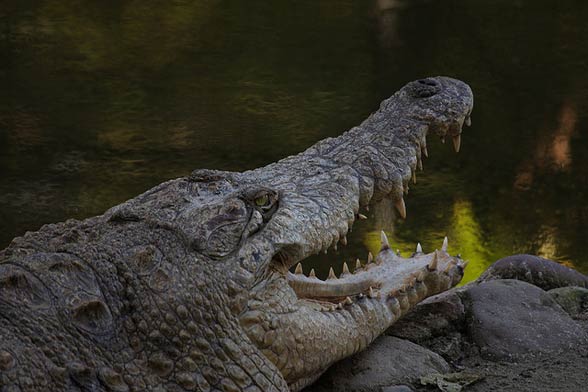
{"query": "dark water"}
(103, 99)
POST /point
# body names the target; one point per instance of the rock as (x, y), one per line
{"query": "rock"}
(388, 361)
(436, 324)
(510, 318)
(573, 300)
(435, 316)
(398, 388)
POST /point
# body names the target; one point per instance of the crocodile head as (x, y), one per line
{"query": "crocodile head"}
(207, 300)
(250, 228)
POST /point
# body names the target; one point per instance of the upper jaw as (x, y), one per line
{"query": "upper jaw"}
(321, 192)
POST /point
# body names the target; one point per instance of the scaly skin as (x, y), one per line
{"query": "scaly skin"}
(186, 287)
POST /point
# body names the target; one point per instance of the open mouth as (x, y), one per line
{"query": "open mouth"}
(387, 276)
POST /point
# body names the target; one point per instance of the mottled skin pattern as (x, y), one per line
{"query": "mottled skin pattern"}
(186, 287)
(536, 270)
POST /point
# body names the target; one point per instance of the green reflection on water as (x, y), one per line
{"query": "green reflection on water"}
(102, 100)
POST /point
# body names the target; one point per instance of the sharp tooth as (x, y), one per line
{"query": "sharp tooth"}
(347, 301)
(384, 240)
(331, 274)
(464, 264)
(345, 269)
(370, 257)
(362, 216)
(445, 244)
(371, 292)
(443, 139)
(344, 240)
(424, 147)
(419, 248)
(357, 264)
(401, 207)
(312, 274)
(456, 143)
(335, 247)
(420, 164)
(433, 264)
(414, 176)
(468, 121)
(448, 267)
(326, 251)
(298, 269)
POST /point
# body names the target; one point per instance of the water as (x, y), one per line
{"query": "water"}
(104, 100)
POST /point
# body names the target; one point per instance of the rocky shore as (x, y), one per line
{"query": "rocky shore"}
(496, 335)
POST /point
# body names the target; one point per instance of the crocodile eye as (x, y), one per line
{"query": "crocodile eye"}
(262, 201)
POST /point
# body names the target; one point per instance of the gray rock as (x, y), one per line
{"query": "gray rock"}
(573, 300)
(388, 361)
(436, 324)
(398, 388)
(435, 316)
(510, 318)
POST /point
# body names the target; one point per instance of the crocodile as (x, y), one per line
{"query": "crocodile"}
(188, 285)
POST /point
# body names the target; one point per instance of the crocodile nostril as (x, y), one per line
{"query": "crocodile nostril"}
(427, 82)
(424, 88)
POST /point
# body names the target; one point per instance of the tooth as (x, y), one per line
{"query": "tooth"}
(331, 274)
(443, 139)
(348, 301)
(371, 292)
(339, 306)
(445, 244)
(384, 240)
(335, 247)
(456, 142)
(464, 264)
(345, 269)
(448, 267)
(424, 147)
(433, 264)
(420, 163)
(357, 264)
(344, 240)
(298, 269)
(362, 216)
(468, 121)
(312, 274)
(326, 251)
(419, 248)
(414, 176)
(401, 207)
(370, 257)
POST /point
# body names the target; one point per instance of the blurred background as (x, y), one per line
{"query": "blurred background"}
(101, 100)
